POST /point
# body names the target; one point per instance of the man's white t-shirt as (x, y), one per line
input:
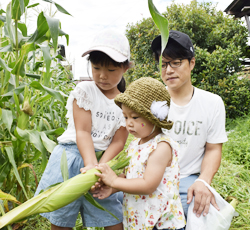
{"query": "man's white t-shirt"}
(106, 116)
(199, 122)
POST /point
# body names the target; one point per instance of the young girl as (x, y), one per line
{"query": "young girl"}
(95, 123)
(151, 186)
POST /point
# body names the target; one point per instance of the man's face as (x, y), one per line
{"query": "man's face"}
(179, 75)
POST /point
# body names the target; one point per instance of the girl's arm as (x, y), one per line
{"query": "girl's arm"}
(116, 145)
(158, 160)
(83, 123)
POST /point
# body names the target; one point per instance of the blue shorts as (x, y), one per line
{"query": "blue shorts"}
(66, 216)
(185, 183)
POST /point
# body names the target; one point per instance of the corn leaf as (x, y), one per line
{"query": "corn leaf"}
(92, 201)
(162, 24)
(4, 65)
(10, 153)
(64, 166)
(54, 93)
(53, 24)
(7, 118)
(48, 144)
(6, 196)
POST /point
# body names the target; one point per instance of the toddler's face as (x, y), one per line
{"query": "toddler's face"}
(136, 124)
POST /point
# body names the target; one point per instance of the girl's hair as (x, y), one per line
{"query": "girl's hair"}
(174, 51)
(98, 57)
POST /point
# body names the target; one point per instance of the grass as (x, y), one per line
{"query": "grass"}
(231, 181)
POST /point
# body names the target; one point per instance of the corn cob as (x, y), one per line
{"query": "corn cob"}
(60, 195)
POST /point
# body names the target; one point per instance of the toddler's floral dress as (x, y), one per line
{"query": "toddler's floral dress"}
(161, 209)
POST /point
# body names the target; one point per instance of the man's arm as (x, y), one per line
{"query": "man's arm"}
(210, 165)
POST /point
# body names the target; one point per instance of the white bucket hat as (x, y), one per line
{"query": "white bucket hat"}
(112, 43)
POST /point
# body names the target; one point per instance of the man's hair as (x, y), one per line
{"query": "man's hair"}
(174, 51)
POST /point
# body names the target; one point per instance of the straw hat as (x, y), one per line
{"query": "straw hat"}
(149, 98)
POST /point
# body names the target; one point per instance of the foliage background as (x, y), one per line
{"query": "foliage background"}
(220, 42)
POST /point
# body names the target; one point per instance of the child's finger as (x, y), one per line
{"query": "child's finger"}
(98, 174)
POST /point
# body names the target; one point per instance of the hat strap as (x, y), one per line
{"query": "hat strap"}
(151, 131)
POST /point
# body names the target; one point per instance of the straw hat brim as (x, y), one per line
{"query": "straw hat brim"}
(135, 105)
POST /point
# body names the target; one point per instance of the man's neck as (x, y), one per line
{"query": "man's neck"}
(182, 96)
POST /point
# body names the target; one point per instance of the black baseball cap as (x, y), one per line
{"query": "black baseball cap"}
(181, 38)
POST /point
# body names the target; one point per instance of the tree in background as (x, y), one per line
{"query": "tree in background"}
(219, 41)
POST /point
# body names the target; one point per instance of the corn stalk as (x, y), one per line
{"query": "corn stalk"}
(30, 114)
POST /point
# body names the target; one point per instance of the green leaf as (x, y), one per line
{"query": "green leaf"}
(92, 201)
(42, 28)
(47, 59)
(2, 18)
(10, 153)
(64, 166)
(33, 5)
(7, 48)
(61, 9)
(162, 23)
(16, 99)
(9, 26)
(32, 136)
(48, 144)
(4, 65)
(23, 120)
(36, 76)
(19, 67)
(43, 98)
(18, 8)
(37, 65)
(23, 28)
(17, 91)
(7, 118)
(54, 30)
(57, 132)
(4, 171)
(61, 33)
(50, 91)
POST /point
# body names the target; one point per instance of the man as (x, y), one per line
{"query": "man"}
(199, 122)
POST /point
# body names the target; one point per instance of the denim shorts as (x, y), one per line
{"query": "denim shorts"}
(66, 216)
(185, 183)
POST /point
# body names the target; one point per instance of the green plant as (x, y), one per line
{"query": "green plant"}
(220, 42)
(32, 103)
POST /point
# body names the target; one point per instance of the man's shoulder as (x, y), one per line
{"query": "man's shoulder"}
(203, 94)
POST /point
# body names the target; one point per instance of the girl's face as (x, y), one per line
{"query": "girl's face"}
(107, 77)
(137, 125)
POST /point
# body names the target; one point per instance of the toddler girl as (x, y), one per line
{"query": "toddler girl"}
(151, 184)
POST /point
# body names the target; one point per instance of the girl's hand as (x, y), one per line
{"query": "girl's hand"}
(107, 175)
(102, 192)
(88, 167)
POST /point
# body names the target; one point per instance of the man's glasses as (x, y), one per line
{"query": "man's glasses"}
(173, 64)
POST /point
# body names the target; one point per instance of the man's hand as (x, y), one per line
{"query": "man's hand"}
(202, 200)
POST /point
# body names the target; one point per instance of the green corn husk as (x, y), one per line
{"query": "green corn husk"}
(61, 194)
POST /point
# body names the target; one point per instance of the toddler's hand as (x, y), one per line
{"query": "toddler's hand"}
(96, 186)
(107, 175)
(102, 192)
